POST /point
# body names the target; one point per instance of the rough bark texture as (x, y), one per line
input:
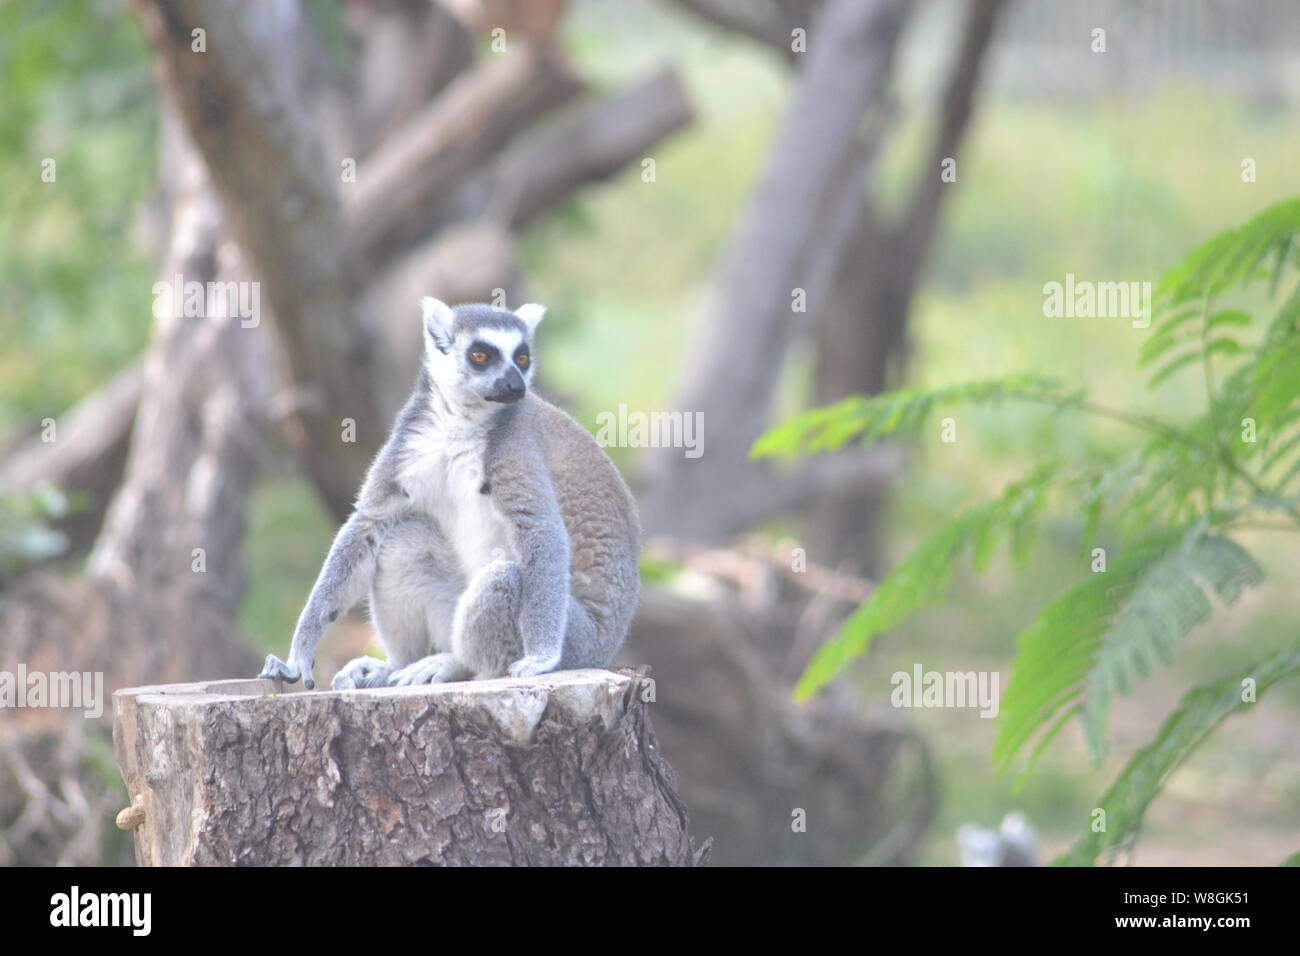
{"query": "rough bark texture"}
(559, 770)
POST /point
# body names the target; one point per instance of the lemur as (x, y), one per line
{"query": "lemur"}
(492, 533)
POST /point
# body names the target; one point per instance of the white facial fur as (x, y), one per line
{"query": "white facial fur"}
(506, 342)
(447, 347)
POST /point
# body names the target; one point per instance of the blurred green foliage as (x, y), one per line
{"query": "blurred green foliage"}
(1176, 504)
(26, 535)
(75, 273)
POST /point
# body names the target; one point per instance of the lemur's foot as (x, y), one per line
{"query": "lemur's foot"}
(434, 669)
(362, 672)
(533, 665)
(276, 669)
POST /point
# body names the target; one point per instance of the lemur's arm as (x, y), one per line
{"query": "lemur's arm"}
(522, 489)
(348, 571)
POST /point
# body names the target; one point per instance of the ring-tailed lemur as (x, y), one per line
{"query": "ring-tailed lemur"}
(493, 534)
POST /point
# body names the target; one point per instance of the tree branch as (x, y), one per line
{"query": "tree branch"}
(404, 180)
(240, 106)
(917, 225)
(593, 143)
(87, 456)
(773, 29)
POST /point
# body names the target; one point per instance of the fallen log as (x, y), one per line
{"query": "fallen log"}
(556, 770)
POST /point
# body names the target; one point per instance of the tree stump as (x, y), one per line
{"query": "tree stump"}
(559, 770)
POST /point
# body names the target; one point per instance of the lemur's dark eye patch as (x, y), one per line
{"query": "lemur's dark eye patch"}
(521, 357)
(480, 353)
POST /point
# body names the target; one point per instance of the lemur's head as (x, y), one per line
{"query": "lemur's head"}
(478, 353)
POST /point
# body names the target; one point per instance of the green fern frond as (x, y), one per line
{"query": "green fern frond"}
(922, 578)
(1231, 257)
(1103, 634)
(1276, 375)
(1179, 474)
(1186, 291)
(1222, 345)
(1199, 713)
(880, 416)
(1177, 330)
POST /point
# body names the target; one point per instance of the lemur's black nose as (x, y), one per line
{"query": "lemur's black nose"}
(509, 388)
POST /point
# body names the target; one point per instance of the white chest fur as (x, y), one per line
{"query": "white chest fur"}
(442, 471)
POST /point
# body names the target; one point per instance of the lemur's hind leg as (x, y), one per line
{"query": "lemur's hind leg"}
(485, 633)
(585, 643)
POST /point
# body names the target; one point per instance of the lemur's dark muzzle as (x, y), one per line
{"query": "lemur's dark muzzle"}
(508, 388)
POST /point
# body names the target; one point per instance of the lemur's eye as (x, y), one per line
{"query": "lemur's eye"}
(478, 356)
(522, 359)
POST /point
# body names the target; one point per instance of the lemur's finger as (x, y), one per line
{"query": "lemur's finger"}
(276, 669)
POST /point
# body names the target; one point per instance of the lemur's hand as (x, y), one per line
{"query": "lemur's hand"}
(290, 673)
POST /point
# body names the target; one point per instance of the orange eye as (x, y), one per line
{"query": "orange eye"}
(522, 360)
(478, 357)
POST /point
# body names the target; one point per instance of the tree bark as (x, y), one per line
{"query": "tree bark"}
(559, 770)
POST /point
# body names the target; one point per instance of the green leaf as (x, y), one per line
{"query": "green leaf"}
(1277, 382)
(1230, 257)
(1219, 346)
(1170, 332)
(1102, 635)
(880, 416)
(922, 578)
(1199, 713)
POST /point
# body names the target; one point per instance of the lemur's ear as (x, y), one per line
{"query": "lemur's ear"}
(438, 320)
(532, 314)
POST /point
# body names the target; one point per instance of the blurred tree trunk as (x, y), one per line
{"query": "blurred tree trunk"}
(751, 763)
(811, 229)
(862, 335)
(781, 257)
